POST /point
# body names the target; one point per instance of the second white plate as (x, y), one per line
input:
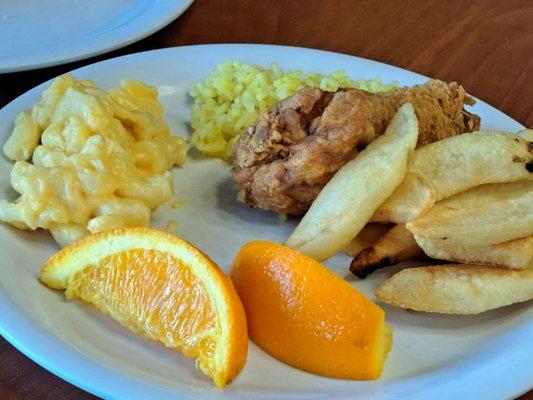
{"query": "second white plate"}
(42, 33)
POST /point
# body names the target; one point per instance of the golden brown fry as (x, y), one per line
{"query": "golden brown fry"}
(455, 164)
(407, 201)
(351, 197)
(396, 245)
(366, 238)
(486, 194)
(515, 254)
(496, 222)
(456, 289)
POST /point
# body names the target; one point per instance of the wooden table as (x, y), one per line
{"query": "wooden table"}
(486, 45)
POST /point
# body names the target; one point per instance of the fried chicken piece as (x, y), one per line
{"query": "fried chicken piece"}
(282, 162)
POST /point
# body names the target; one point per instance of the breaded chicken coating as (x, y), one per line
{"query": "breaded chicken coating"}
(282, 162)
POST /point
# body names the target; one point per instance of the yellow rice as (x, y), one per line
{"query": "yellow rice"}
(231, 97)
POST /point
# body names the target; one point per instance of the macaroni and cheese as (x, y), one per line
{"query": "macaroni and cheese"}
(88, 160)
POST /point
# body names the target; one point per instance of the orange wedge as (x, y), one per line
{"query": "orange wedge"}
(306, 316)
(160, 286)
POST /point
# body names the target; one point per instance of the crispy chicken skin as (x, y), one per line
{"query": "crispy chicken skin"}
(282, 162)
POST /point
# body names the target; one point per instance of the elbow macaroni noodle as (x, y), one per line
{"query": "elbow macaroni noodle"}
(89, 160)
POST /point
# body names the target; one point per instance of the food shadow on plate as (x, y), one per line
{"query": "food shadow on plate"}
(196, 155)
(384, 273)
(227, 201)
(39, 237)
(473, 323)
(7, 192)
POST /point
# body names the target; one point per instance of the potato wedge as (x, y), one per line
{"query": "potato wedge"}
(464, 161)
(492, 223)
(395, 246)
(515, 254)
(456, 289)
(455, 164)
(366, 238)
(486, 194)
(349, 199)
(407, 200)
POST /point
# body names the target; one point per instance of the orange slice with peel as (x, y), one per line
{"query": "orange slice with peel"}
(305, 315)
(160, 286)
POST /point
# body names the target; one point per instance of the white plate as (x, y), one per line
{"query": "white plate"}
(434, 356)
(42, 33)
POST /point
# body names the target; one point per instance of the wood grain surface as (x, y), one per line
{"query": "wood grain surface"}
(486, 45)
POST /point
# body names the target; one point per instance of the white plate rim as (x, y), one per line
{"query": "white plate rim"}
(14, 327)
(160, 14)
